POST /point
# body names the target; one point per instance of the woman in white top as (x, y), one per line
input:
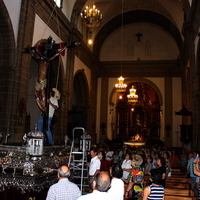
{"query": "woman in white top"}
(126, 167)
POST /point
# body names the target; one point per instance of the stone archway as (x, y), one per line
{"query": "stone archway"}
(7, 70)
(141, 118)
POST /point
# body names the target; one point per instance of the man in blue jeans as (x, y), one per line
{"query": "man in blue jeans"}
(53, 105)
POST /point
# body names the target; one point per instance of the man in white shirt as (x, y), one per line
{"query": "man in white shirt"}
(116, 190)
(94, 166)
(101, 184)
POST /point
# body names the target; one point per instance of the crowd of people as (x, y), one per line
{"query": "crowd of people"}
(119, 174)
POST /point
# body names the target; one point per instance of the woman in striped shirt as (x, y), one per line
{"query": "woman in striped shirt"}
(155, 191)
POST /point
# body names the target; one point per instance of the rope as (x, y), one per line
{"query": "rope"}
(48, 20)
(59, 58)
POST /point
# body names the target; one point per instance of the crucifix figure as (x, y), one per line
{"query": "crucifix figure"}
(139, 35)
(43, 53)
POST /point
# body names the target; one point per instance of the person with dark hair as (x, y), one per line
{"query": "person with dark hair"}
(101, 184)
(117, 185)
(105, 165)
(126, 167)
(94, 165)
(148, 165)
(53, 105)
(64, 189)
(161, 165)
(155, 191)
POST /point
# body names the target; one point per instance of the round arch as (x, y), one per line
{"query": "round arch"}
(112, 98)
(135, 17)
(79, 112)
(7, 73)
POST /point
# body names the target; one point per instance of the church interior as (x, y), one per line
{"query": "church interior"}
(152, 45)
(124, 72)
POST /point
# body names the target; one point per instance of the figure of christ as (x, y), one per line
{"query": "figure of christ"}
(44, 52)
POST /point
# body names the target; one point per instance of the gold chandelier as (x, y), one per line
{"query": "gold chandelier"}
(120, 86)
(91, 16)
(132, 97)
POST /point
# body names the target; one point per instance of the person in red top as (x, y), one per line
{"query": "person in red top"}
(174, 160)
(105, 164)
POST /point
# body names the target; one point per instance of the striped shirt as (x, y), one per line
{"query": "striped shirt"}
(156, 192)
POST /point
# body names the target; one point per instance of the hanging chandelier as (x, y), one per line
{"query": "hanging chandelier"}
(91, 16)
(120, 86)
(132, 97)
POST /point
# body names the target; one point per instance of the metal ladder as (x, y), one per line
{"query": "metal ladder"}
(78, 162)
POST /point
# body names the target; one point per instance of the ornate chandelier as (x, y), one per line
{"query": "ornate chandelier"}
(132, 97)
(120, 86)
(91, 16)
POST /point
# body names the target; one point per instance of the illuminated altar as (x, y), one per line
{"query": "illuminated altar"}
(136, 140)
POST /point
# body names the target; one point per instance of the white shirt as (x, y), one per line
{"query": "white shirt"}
(95, 164)
(96, 195)
(126, 164)
(117, 189)
(51, 109)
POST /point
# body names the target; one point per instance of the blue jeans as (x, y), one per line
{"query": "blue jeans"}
(48, 132)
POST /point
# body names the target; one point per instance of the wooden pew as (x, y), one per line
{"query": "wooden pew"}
(175, 197)
(180, 185)
(178, 179)
(179, 192)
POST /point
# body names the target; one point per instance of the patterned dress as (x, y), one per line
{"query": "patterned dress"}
(137, 178)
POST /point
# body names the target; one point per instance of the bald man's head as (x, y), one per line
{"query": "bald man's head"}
(102, 180)
(63, 172)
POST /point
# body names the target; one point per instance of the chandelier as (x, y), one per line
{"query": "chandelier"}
(120, 86)
(91, 16)
(132, 97)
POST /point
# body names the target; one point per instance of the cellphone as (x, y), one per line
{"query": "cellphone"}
(197, 156)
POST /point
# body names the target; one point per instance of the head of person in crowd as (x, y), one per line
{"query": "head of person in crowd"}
(102, 181)
(156, 176)
(137, 160)
(166, 155)
(149, 159)
(101, 155)
(116, 171)
(63, 172)
(93, 151)
(128, 156)
(161, 162)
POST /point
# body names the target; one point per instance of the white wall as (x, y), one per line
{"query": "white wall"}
(155, 44)
(13, 7)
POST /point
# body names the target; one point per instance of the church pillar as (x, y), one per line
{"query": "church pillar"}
(168, 112)
(104, 108)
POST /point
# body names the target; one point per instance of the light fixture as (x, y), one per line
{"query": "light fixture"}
(90, 41)
(91, 16)
(132, 97)
(120, 86)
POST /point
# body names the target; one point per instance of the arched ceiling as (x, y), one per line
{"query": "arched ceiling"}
(168, 14)
(134, 17)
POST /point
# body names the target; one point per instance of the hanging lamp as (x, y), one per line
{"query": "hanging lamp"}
(120, 86)
(132, 97)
